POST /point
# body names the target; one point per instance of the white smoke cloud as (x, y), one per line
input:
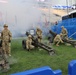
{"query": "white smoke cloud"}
(3, 1)
(20, 16)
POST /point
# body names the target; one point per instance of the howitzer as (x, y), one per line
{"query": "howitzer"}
(52, 33)
(50, 50)
(72, 42)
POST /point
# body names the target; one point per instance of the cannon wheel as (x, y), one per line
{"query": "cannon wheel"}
(24, 44)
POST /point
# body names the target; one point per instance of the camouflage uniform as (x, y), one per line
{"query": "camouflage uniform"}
(64, 33)
(39, 34)
(6, 37)
(57, 40)
(3, 60)
(29, 43)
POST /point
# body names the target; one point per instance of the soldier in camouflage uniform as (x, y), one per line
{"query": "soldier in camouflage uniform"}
(57, 40)
(3, 60)
(39, 34)
(29, 43)
(6, 37)
(64, 32)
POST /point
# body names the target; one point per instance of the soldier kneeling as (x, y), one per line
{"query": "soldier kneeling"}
(29, 43)
(57, 40)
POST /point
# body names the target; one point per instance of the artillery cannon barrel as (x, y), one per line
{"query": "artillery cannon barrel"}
(52, 33)
(72, 42)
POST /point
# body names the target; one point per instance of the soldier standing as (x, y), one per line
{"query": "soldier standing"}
(3, 60)
(64, 32)
(57, 40)
(29, 43)
(39, 34)
(6, 37)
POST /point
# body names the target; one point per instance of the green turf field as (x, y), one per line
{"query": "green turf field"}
(22, 60)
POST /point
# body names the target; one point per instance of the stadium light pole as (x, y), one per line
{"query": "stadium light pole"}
(49, 13)
(49, 7)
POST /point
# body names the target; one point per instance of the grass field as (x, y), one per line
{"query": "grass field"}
(23, 60)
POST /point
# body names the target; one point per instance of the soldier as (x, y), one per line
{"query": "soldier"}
(64, 32)
(3, 60)
(39, 34)
(6, 37)
(57, 40)
(29, 43)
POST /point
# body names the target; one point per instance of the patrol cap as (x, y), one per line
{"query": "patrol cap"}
(29, 36)
(38, 28)
(5, 25)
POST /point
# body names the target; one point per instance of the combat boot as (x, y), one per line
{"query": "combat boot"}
(6, 67)
(57, 45)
